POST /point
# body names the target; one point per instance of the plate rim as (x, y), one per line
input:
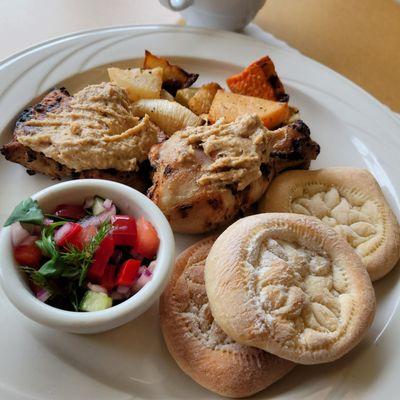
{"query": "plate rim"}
(18, 57)
(4, 63)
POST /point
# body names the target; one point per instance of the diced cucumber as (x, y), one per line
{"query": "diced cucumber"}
(97, 207)
(95, 301)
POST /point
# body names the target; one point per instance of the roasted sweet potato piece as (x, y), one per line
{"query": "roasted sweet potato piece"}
(200, 103)
(259, 79)
(231, 105)
(174, 77)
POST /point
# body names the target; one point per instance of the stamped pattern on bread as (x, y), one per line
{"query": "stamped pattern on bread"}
(350, 201)
(290, 285)
(350, 212)
(298, 290)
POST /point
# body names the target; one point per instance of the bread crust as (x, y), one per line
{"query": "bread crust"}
(290, 285)
(376, 233)
(200, 348)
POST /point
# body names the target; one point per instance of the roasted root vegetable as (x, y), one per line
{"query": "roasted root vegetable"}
(200, 102)
(230, 106)
(174, 77)
(138, 84)
(170, 116)
(184, 95)
(259, 79)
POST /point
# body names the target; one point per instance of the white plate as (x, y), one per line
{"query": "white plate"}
(132, 362)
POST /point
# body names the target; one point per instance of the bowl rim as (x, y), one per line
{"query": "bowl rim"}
(17, 291)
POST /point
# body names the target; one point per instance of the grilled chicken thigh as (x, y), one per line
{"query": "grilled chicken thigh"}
(205, 176)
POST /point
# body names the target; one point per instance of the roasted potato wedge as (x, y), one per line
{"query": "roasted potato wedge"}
(230, 106)
(138, 84)
(174, 77)
(200, 102)
(170, 116)
(184, 95)
(259, 79)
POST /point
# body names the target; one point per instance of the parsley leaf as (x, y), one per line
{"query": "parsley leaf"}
(27, 211)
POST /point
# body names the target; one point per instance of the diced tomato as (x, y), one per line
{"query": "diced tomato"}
(28, 255)
(69, 235)
(100, 259)
(124, 230)
(72, 211)
(147, 240)
(108, 278)
(128, 272)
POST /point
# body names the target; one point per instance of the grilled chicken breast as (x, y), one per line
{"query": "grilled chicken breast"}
(205, 176)
(89, 135)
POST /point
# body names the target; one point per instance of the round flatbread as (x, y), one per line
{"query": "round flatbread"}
(350, 201)
(199, 346)
(290, 285)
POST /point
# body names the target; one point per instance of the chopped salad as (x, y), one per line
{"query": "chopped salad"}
(83, 257)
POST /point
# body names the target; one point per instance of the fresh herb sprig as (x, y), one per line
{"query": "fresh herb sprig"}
(76, 262)
(48, 247)
(71, 264)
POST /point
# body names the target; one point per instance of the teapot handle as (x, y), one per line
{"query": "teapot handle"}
(176, 5)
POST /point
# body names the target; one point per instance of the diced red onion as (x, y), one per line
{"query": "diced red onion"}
(90, 221)
(107, 204)
(152, 265)
(89, 201)
(18, 233)
(124, 290)
(141, 270)
(141, 281)
(61, 232)
(96, 288)
(106, 215)
(48, 221)
(97, 220)
(144, 271)
(43, 295)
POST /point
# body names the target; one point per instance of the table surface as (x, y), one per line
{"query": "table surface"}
(358, 38)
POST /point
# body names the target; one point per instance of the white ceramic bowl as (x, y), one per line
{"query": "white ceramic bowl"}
(129, 201)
